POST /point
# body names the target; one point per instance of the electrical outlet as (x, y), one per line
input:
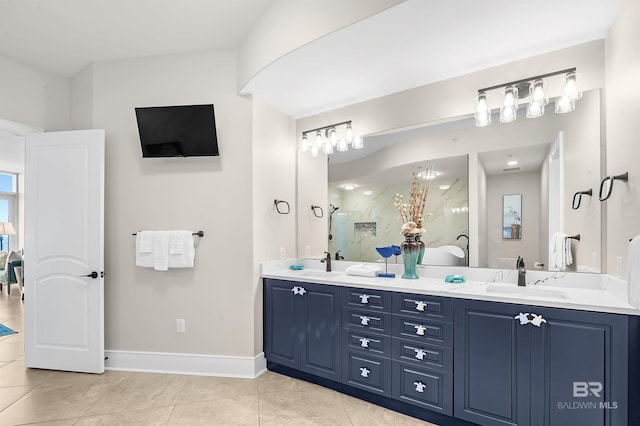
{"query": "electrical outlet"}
(180, 326)
(283, 253)
(307, 251)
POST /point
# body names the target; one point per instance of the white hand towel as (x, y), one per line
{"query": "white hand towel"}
(176, 241)
(144, 245)
(363, 270)
(161, 250)
(144, 241)
(633, 280)
(185, 258)
(560, 247)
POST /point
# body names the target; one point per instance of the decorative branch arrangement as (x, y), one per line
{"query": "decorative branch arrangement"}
(412, 213)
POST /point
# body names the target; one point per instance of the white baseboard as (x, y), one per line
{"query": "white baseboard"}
(192, 364)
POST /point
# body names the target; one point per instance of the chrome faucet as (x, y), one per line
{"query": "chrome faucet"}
(328, 260)
(522, 273)
(339, 256)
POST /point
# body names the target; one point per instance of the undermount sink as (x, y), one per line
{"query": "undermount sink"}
(527, 291)
(320, 274)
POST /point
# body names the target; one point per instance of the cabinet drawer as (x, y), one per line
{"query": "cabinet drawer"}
(378, 322)
(423, 354)
(424, 306)
(361, 341)
(422, 387)
(423, 330)
(367, 372)
(375, 300)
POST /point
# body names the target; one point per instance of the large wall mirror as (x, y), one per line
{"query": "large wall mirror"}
(556, 155)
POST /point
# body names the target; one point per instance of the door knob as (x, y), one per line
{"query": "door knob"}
(93, 275)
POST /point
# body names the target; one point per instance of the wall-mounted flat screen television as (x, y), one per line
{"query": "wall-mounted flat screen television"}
(177, 131)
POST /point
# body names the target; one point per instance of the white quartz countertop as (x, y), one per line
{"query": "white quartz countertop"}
(588, 292)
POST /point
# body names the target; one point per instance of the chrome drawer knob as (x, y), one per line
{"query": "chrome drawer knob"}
(420, 329)
(364, 342)
(523, 318)
(420, 387)
(420, 306)
(420, 354)
(364, 299)
(364, 371)
(364, 320)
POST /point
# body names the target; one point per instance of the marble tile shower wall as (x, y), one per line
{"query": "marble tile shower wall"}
(443, 224)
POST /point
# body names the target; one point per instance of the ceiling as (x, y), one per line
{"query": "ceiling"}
(409, 45)
(64, 36)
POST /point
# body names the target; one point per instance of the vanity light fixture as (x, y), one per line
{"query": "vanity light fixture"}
(331, 138)
(534, 91)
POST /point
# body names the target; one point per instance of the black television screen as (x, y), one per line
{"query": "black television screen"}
(177, 131)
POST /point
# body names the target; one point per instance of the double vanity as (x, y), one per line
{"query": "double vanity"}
(563, 350)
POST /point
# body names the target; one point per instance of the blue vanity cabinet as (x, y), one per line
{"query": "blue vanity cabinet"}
(548, 366)
(366, 333)
(422, 351)
(579, 368)
(491, 363)
(302, 326)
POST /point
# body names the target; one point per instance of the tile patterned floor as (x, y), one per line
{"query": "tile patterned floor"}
(51, 398)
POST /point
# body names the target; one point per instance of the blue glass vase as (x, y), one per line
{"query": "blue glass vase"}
(410, 251)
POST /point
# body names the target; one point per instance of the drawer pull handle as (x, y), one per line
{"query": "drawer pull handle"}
(523, 318)
(420, 329)
(420, 353)
(364, 320)
(420, 387)
(537, 320)
(420, 305)
(364, 371)
(298, 291)
(364, 299)
(364, 342)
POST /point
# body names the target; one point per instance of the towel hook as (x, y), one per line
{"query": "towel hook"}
(317, 211)
(282, 206)
(608, 184)
(577, 197)
(574, 237)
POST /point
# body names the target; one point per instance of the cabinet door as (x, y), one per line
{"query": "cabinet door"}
(491, 363)
(320, 325)
(578, 368)
(282, 342)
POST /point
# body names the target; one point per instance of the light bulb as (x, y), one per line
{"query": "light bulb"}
(564, 104)
(357, 143)
(314, 151)
(348, 135)
(482, 114)
(342, 145)
(571, 87)
(304, 144)
(327, 148)
(319, 141)
(333, 136)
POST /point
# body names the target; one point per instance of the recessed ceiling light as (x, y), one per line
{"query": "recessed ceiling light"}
(368, 192)
(512, 163)
(349, 186)
(444, 187)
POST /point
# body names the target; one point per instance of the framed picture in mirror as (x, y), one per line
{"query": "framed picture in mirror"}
(512, 217)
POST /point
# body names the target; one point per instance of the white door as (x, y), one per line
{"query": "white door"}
(64, 239)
